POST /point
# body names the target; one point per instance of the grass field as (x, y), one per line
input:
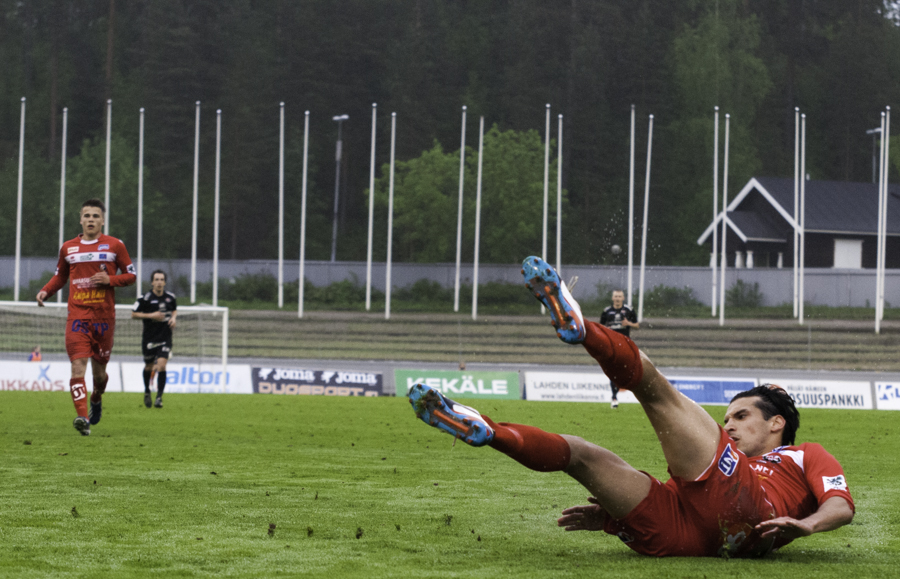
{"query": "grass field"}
(359, 488)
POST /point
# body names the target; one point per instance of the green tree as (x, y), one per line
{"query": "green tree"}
(426, 201)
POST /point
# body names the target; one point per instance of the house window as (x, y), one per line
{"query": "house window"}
(848, 253)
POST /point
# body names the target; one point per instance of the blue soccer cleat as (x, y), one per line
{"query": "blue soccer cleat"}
(95, 412)
(435, 409)
(82, 425)
(543, 281)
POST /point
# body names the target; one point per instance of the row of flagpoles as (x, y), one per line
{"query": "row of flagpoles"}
(799, 217)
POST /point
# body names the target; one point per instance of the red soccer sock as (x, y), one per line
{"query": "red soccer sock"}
(79, 396)
(99, 389)
(534, 448)
(617, 354)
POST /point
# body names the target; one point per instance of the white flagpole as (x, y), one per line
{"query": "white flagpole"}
(631, 211)
(106, 173)
(140, 203)
(371, 213)
(546, 184)
(459, 211)
(303, 216)
(281, 207)
(882, 219)
(215, 280)
(19, 202)
(878, 247)
(801, 293)
(62, 187)
(559, 166)
(724, 265)
(477, 220)
(887, 159)
(194, 216)
(715, 233)
(390, 232)
(796, 210)
(646, 212)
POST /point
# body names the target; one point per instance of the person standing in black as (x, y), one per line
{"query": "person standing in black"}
(158, 309)
(621, 318)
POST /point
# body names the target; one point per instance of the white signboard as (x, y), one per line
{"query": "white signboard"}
(571, 387)
(826, 393)
(51, 376)
(192, 378)
(887, 395)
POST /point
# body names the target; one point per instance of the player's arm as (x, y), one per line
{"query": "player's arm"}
(631, 320)
(123, 263)
(835, 512)
(137, 312)
(57, 282)
(174, 313)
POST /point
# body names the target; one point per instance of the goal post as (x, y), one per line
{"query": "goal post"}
(201, 333)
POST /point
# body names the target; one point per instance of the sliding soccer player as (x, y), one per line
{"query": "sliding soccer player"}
(90, 262)
(741, 489)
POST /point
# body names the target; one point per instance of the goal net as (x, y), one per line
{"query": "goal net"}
(200, 336)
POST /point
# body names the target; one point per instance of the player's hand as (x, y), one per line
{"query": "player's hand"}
(157, 317)
(42, 295)
(784, 527)
(100, 278)
(584, 518)
(172, 322)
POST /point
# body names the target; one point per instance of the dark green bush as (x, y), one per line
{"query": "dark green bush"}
(743, 295)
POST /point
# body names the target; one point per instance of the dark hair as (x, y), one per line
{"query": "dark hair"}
(773, 400)
(94, 203)
(156, 271)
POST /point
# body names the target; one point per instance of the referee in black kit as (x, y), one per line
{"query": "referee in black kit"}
(158, 309)
(621, 318)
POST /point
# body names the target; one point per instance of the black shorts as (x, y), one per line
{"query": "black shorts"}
(154, 350)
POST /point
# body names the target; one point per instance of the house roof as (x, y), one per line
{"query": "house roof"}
(837, 207)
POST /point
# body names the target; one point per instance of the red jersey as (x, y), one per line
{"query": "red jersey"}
(798, 479)
(79, 260)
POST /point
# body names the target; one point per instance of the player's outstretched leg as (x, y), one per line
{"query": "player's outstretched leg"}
(565, 314)
(435, 409)
(618, 355)
(532, 447)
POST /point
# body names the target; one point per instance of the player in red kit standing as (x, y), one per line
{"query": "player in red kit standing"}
(91, 261)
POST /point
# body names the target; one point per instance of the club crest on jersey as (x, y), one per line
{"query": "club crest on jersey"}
(728, 461)
(72, 250)
(834, 483)
(102, 247)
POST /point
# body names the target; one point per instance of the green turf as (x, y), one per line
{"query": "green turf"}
(358, 487)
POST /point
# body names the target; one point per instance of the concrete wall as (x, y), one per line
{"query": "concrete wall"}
(831, 287)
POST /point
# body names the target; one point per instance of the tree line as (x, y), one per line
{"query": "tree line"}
(505, 60)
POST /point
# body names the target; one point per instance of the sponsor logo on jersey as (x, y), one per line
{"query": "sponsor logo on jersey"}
(102, 257)
(834, 483)
(103, 246)
(774, 458)
(728, 461)
(72, 250)
(87, 257)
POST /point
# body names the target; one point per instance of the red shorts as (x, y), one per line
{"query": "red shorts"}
(712, 516)
(90, 339)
